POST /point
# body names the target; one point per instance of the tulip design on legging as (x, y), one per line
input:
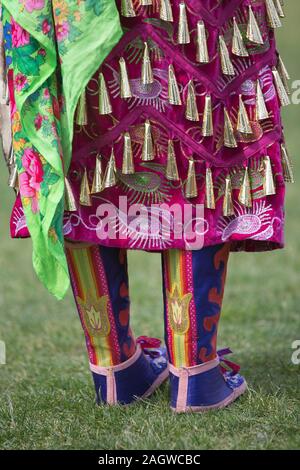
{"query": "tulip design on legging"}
(193, 291)
(100, 284)
(94, 311)
(178, 306)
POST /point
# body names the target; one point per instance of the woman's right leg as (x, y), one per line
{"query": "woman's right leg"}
(193, 287)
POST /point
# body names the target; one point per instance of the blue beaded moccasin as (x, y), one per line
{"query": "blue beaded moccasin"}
(205, 386)
(136, 378)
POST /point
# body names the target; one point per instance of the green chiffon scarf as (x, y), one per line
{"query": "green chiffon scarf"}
(57, 45)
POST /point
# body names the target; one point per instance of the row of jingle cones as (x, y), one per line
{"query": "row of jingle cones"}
(274, 10)
(253, 34)
(191, 190)
(243, 125)
(190, 185)
(280, 73)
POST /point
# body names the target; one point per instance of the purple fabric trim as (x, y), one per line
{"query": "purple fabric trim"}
(222, 15)
(144, 111)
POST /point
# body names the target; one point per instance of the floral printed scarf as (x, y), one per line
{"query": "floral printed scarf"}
(53, 47)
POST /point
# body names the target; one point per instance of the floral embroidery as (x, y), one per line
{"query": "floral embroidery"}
(62, 30)
(46, 27)
(30, 180)
(95, 315)
(20, 82)
(32, 5)
(20, 37)
(178, 310)
(66, 17)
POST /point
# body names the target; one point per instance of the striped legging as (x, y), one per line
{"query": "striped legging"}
(193, 287)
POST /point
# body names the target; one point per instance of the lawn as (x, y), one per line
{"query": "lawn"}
(46, 392)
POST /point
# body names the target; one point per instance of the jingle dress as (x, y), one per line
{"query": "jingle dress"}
(179, 105)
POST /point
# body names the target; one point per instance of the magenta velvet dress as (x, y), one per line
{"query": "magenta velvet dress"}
(223, 56)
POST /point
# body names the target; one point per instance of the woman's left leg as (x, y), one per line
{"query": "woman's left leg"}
(99, 278)
(100, 286)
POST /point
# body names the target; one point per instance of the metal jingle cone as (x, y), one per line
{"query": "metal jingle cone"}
(261, 111)
(127, 9)
(171, 169)
(245, 197)
(279, 8)
(85, 193)
(202, 50)
(269, 185)
(97, 179)
(173, 89)
(104, 100)
(13, 177)
(5, 92)
(147, 73)
(287, 165)
(191, 189)
(110, 178)
(229, 138)
(17, 185)
(11, 157)
(227, 201)
(148, 146)
(125, 91)
(70, 201)
(243, 122)
(283, 69)
(253, 31)
(226, 64)
(281, 91)
(238, 46)
(183, 36)
(128, 163)
(191, 111)
(272, 13)
(165, 12)
(209, 190)
(285, 77)
(81, 110)
(207, 124)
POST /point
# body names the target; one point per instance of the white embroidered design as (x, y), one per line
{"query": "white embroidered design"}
(18, 219)
(256, 222)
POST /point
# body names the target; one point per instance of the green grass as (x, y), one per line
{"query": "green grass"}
(46, 392)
